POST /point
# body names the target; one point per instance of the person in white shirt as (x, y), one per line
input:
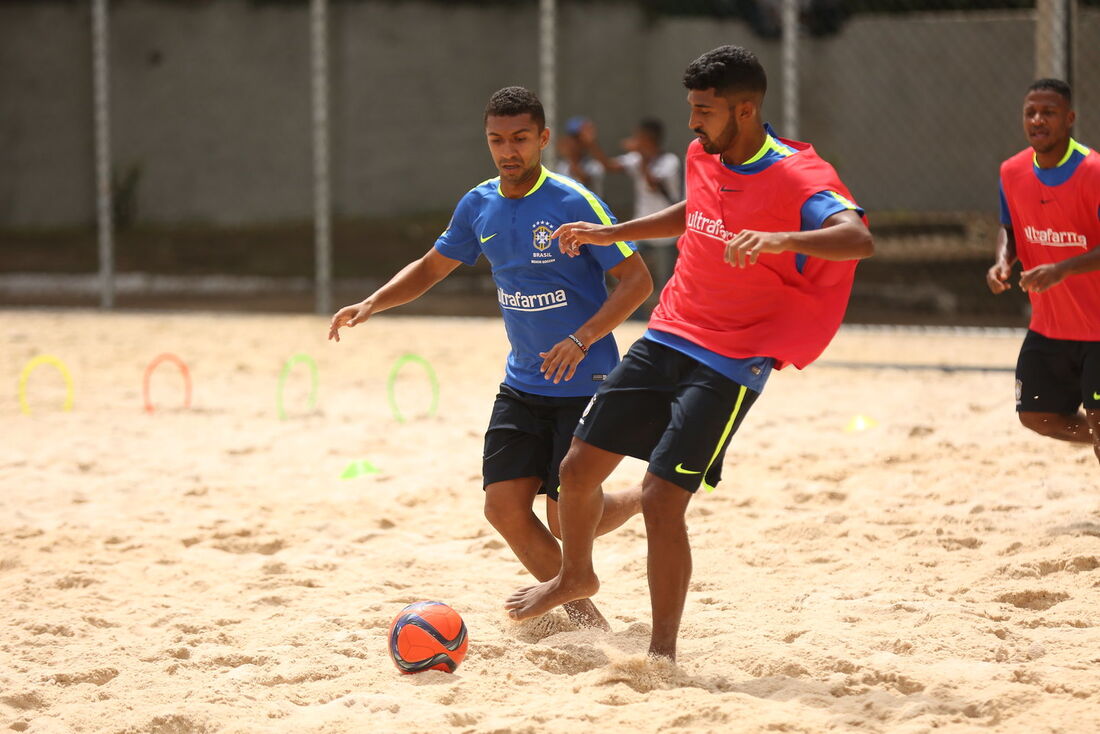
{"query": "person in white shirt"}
(574, 158)
(658, 184)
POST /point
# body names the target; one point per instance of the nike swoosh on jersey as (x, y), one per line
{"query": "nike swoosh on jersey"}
(681, 470)
(486, 239)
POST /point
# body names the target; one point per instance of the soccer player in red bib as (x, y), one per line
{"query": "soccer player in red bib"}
(769, 239)
(1050, 212)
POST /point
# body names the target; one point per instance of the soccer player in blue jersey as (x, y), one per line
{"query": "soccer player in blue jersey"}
(558, 316)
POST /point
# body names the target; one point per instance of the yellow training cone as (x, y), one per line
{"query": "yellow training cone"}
(860, 423)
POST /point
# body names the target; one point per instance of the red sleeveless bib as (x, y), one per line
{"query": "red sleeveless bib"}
(769, 309)
(1051, 224)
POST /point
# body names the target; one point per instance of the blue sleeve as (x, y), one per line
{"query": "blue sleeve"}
(590, 208)
(823, 205)
(1006, 216)
(458, 241)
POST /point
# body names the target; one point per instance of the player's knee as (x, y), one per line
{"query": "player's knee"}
(1044, 424)
(571, 473)
(663, 508)
(503, 513)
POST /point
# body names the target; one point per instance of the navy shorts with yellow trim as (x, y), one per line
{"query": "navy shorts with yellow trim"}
(669, 409)
(1057, 375)
(528, 436)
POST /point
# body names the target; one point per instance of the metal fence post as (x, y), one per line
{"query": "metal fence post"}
(1053, 39)
(548, 69)
(101, 121)
(322, 204)
(790, 69)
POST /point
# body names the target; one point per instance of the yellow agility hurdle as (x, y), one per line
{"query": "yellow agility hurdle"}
(40, 360)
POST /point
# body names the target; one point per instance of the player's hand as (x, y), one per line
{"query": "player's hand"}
(349, 316)
(574, 234)
(997, 277)
(560, 363)
(747, 245)
(1042, 277)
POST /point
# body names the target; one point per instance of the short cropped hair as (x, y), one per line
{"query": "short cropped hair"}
(515, 101)
(1053, 85)
(727, 69)
(653, 127)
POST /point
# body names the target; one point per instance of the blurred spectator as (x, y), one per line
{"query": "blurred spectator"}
(574, 159)
(656, 172)
(658, 184)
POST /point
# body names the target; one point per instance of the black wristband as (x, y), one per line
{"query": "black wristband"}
(579, 343)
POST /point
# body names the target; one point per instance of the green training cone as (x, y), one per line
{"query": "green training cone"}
(359, 468)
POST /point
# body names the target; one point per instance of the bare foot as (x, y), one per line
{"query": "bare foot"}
(663, 652)
(541, 598)
(583, 613)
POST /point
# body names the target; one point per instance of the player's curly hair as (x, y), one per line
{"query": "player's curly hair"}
(727, 69)
(1053, 85)
(513, 101)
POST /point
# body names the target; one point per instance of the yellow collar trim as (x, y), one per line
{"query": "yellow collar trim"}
(536, 187)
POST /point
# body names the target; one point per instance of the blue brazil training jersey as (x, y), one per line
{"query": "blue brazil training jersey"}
(544, 295)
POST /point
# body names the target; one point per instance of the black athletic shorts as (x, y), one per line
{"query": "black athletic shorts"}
(528, 436)
(1057, 375)
(669, 409)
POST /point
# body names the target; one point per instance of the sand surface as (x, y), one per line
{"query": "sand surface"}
(208, 569)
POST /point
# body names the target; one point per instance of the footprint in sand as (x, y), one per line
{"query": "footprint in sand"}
(954, 544)
(645, 674)
(25, 700)
(57, 630)
(1077, 528)
(490, 651)
(75, 581)
(486, 547)
(539, 628)
(234, 660)
(99, 622)
(1038, 569)
(826, 497)
(859, 684)
(99, 676)
(707, 716)
(251, 545)
(1036, 600)
(462, 718)
(568, 659)
(174, 724)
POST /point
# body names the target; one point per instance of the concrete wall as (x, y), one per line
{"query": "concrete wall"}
(211, 101)
(46, 174)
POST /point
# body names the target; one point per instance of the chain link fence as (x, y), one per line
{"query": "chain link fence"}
(211, 117)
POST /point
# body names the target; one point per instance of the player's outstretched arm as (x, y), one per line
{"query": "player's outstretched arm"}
(843, 236)
(635, 285)
(997, 275)
(411, 282)
(668, 222)
(1043, 277)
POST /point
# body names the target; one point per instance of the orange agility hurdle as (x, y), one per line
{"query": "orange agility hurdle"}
(166, 357)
